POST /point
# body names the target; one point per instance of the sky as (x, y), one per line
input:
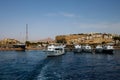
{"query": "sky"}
(49, 18)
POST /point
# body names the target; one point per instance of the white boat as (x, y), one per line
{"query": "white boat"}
(87, 48)
(55, 50)
(99, 49)
(108, 49)
(77, 49)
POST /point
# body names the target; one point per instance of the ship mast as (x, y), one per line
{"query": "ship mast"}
(26, 32)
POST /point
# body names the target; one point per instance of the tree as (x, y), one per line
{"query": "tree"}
(116, 38)
(27, 43)
(103, 42)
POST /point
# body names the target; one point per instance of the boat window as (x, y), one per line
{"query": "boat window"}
(58, 49)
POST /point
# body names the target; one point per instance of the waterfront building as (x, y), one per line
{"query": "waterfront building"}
(86, 38)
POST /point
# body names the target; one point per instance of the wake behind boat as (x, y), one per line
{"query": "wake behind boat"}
(53, 50)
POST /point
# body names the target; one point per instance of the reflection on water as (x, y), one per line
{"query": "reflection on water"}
(35, 65)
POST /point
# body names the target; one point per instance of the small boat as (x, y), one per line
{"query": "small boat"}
(87, 48)
(99, 49)
(77, 49)
(53, 50)
(108, 49)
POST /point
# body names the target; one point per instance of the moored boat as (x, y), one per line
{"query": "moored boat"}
(87, 48)
(19, 47)
(99, 49)
(77, 49)
(108, 49)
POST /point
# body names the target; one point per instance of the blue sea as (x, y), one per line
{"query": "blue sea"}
(35, 65)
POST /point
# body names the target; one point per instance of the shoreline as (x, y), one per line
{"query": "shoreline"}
(30, 48)
(20, 49)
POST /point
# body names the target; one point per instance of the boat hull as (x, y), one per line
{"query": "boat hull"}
(98, 50)
(19, 47)
(110, 51)
(54, 53)
(87, 50)
(77, 50)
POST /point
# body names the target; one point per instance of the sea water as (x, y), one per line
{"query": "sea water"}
(35, 65)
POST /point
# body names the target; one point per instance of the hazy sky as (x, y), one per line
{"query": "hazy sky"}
(48, 18)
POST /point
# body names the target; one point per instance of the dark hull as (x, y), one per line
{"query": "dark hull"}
(77, 50)
(87, 50)
(19, 47)
(108, 51)
(98, 50)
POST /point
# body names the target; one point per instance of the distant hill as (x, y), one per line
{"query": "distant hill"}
(46, 40)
